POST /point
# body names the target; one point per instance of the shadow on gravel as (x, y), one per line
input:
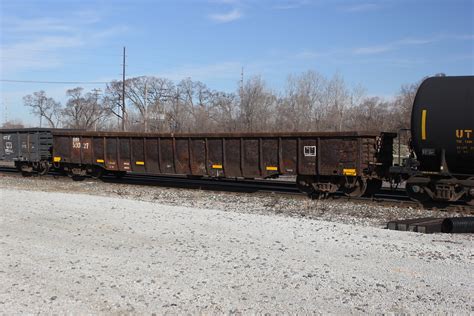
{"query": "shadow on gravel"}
(202, 184)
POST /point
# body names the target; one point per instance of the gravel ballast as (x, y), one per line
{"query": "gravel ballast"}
(86, 253)
(365, 214)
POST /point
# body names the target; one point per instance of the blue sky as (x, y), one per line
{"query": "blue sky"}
(377, 44)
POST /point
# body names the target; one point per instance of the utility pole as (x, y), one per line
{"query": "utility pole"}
(241, 90)
(146, 107)
(241, 82)
(96, 96)
(5, 117)
(124, 113)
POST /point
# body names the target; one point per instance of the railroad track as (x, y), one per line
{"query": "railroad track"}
(386, 197)
(284, 187)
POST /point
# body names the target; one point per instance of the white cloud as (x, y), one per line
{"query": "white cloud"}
(382, 48)
(16, 25)
(225, 1)
(308, 54)
(289, 5)
(230, 16)
(377, 49)
(38, 53)
(220, 70)
(464, 37)
(41, 43)
(361, 7)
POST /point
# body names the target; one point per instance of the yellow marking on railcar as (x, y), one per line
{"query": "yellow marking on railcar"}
(216, 166)
(140, 163)
(349, 172)
(423, 125)
(100, 160)
(272, 168)
(57, 159)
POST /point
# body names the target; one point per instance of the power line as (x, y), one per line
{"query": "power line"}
(91, 51)
(53, 82)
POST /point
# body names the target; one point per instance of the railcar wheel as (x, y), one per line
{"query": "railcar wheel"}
(76, 174)
(97, 173)
(355, 189)
(416, 193)
(304, 184)
(43, 168)
(470, 194)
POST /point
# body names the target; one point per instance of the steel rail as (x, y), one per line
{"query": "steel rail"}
(386, 197)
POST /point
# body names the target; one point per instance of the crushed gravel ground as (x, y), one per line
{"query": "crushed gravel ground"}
(90, 247)
(340, 211)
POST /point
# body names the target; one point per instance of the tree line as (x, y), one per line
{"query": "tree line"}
(310, 101)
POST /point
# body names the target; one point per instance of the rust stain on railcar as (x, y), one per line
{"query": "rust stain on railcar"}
(124, 157)
(337, 155)
(235, 155)
(250, 158)
(215, 157)
(152, 155)
(269, 156)
(198, 157)
(182, 156)
(167, 156)
(137, 153)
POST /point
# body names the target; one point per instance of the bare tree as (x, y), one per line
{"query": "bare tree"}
(257, 105)
(372, 114)
(226, 111)
(310, 102)
(338, 98)
(13, 124)
(177, 113)
(44, 107)
(137, 93)
(113, 100)
(150, 97)
(84, 110)
(161, 96)
(196, 98)
(403, 104)
(302, 108)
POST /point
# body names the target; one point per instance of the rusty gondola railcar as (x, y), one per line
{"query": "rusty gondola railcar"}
(322, 162)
